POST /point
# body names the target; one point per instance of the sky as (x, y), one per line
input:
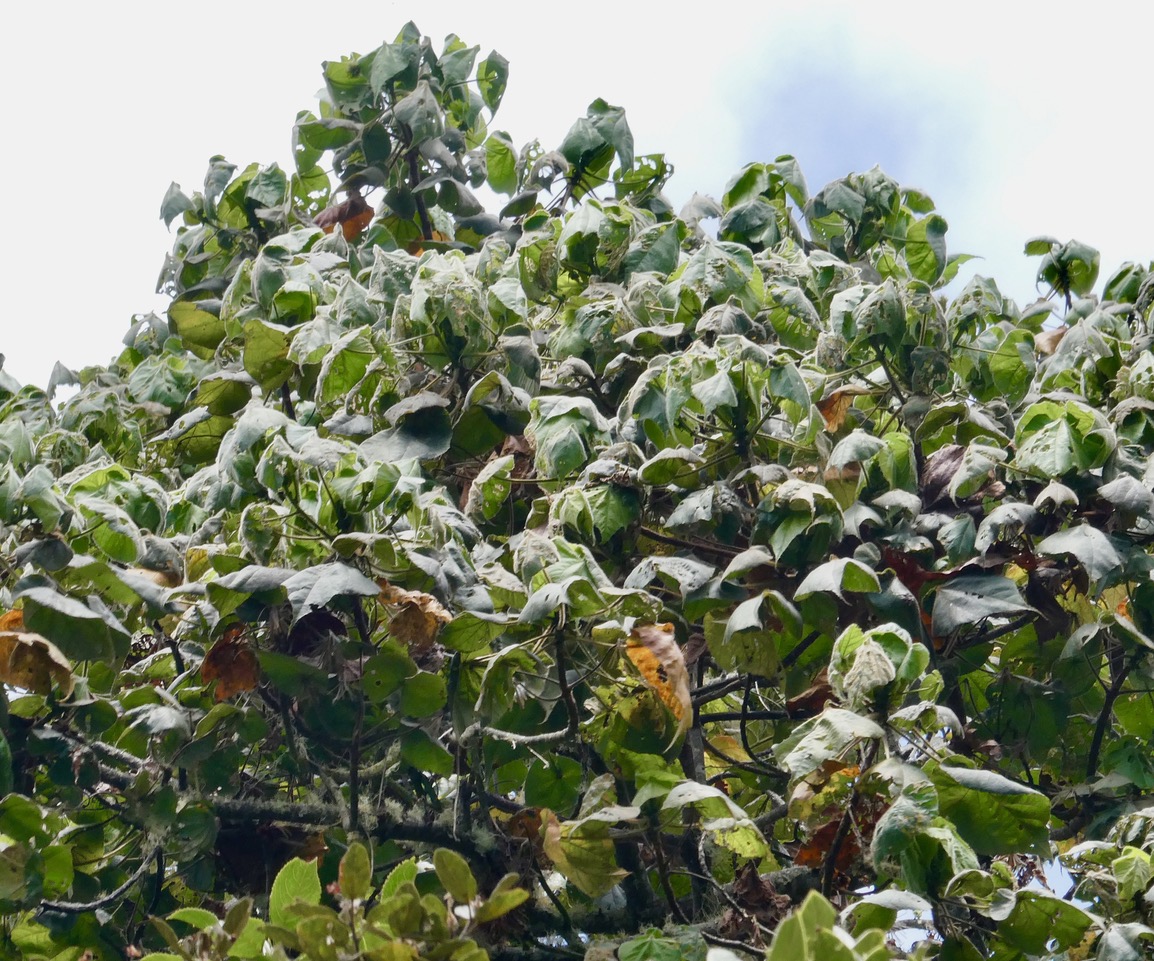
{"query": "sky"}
(1019, 119)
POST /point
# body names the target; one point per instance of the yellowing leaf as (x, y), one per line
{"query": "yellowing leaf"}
(32, 662)
(654, 652)
(583, 852)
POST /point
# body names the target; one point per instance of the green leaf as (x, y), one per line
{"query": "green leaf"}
(1042, 923)
(356, 872)
(201, 330)
(836, 576)
(583, 852)
(266, 348)
(317, 587)
(425, 754)
(993, 814)
(296, 881)
(969, 600)
(729, 825)
(420, 112)
(492, 76)
(554, 784)
(1088, 546)
(174, 204)
(748, 644)
(823, 738)
(76, 629)
(501, 164)
(926, 248)
(386, 671)
(197, 918)
(1133, 871)
(422, 694)
(506, 897)
(454, 873)
(328, 133)
(404, 873)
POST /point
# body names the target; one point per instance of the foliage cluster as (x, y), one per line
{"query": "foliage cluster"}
(568, 571)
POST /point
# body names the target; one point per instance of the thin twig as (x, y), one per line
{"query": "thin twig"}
(1104, 718)
(83, 907)
(572, 727)
(716, 548)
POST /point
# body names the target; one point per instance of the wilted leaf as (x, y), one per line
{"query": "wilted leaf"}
(836, 406)
(583, 852)
(232, 663)
(416, 617)
(32, 662)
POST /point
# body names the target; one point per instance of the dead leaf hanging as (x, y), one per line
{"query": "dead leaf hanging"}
(32, 662)
(232, 664)
(353, 215)
(654, 651)
(416, 618)
(835, 407)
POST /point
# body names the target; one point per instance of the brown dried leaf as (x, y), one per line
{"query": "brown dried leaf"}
(232, 664)
(939, 470)
(695, 648)
(353, 214)
(1047, 341)
(12, 621)
(32, 662)
(811, 702)
(812, 854)
(416, 619)
(654, 652)
(159, 578)
(835, 407)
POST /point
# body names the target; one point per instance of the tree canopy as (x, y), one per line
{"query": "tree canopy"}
(565, 578)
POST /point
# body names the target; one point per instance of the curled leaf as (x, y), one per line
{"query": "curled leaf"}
(654, 652)
(32, 662)
(835, 407)
(353, 215)
(416, 619)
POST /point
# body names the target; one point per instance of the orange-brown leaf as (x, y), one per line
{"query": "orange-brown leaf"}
(654, 652)
(159, 578)
(1047, 341)
(32, 662)
(314, 848)
(12, 621)
(525, 824)
(353, 214)
(813, 853)
(353, 226)
(835, 407)
(232, 664)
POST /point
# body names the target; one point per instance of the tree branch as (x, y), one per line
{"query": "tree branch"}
(422, 209)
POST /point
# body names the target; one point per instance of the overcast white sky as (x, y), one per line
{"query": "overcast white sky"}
(1018, 118)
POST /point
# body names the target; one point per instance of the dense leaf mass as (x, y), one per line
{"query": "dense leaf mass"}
(462, 582)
